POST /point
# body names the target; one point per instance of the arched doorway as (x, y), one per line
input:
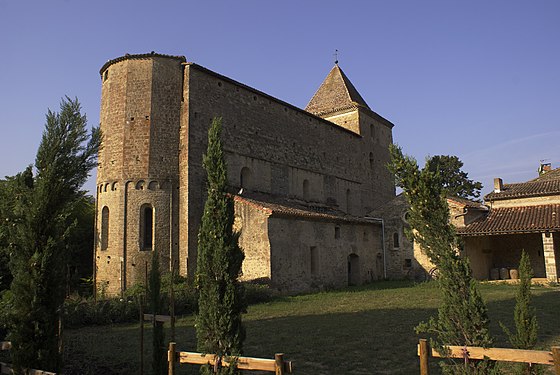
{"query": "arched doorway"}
(353, 269)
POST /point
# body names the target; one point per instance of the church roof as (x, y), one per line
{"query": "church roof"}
(282, 207)
(335, 93)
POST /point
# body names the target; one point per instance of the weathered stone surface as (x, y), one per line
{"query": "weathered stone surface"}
(155, 114)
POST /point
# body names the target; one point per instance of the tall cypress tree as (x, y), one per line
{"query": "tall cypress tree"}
(462, 317)
(40, 232)
(218, 324)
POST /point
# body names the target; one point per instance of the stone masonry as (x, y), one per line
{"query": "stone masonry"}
(304, 180)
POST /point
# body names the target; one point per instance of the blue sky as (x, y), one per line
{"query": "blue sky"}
(476, 79)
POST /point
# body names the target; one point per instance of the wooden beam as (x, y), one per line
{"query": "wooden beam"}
(243, 363)
(158, 318)
(5, 345)
(423, 352)
(498, 354)
(556, 356)
(171, 358)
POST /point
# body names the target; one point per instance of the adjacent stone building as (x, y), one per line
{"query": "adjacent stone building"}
(514, 217)
(303, 180)
(521, 216)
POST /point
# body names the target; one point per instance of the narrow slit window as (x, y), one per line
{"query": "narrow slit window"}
(105, 228)
(396, 242)
(147, 227)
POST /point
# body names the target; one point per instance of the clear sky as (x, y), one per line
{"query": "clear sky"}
(478, 79)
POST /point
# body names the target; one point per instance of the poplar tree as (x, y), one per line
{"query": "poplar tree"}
(159, 361)
(39, 236)
(218, 325)
(462, 317)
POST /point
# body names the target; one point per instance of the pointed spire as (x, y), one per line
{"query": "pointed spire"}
(335, 93)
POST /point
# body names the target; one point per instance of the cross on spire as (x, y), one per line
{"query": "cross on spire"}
(335, 56)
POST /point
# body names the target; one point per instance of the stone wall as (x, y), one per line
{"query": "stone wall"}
(138, 167)
(308, 254)
(283, 147)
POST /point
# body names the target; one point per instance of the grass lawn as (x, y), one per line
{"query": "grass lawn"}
(360, 330)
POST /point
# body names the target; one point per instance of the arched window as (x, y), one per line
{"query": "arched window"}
(146, 227)
(245, 178)
(306, 190)
(396, 242)
(104, 228)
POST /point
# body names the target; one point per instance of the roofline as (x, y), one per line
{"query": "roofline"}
(139, 56)
(500, 233)
(354, 105)
(270, 97)
(517, 196)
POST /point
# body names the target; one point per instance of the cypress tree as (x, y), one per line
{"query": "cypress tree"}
(462, 317)
(526, 326)
(159, 362)
(40, 233)
(218, 325)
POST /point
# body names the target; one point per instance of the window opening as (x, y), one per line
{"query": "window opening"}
(314, 259)
(105, 228)
(147, 227)
(396, 240)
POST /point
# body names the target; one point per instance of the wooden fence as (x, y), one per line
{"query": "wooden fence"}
(6, 368)
(551, 358)
(277, 365)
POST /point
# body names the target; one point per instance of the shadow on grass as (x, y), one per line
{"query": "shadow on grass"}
(374, 340)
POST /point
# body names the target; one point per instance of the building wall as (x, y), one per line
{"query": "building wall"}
(521, 202)
(138, 165)
(309, 254)
(282, 146)
(155, 114)
(503, 251)
(252, 224)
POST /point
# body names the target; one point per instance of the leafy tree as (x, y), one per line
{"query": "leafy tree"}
(39, 234)
(454, 181)
(218, 324)
(462, 317)
(525, 336)
(159, 362)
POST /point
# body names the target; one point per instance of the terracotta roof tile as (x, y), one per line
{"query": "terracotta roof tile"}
(530, 219)
(278, 207)
(546, 184)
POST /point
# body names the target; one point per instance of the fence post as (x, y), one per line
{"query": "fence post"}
(279, 363)
(141, 310)
(424, 354)
(171, 358)
(556, 357)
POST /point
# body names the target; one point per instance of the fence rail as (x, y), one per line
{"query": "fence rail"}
(277, 365)
(551, 358)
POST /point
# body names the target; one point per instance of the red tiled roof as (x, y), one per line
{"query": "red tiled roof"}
(529, 219)
(288, 208)
(546, 184)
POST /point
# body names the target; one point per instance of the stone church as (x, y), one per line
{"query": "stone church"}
(303, 180)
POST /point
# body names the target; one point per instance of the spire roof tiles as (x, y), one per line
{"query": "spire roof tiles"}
(335, 93)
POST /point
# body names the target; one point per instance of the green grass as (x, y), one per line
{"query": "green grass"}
(361, 330)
